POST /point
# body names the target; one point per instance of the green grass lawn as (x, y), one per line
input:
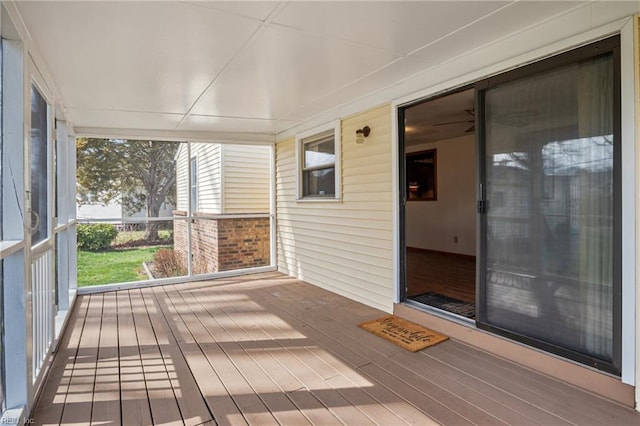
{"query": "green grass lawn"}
(113, 266)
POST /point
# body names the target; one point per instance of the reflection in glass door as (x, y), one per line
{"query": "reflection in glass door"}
(550, 265)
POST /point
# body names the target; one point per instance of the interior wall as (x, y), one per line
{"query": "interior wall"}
(434, 225)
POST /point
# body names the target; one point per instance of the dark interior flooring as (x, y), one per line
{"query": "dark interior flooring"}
(444, 273)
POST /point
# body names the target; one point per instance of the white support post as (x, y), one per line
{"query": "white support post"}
(14, 205)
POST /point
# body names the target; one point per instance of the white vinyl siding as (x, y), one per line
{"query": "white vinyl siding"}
(231, 178)
(182, 178)
(209, 175)
(246, 178)
(345, 247)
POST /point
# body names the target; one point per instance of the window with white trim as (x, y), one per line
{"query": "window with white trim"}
(318, 154)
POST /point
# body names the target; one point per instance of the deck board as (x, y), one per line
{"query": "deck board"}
(134, 398)
(79, 398)
(162, 398)
(225, 411)
(526, 388)
(106, 391)
(353, 338)
(203, 327)
(53, 398)
(596, 407)
(284, 367)
(266, 381)
(193, 408)
(269, 349)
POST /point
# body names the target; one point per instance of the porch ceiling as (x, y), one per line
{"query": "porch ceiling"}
(258, 67)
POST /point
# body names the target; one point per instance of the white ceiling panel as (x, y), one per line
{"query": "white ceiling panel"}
(399, 27)
(205, 123)
(259, 10)
(390, 75)
(134, 55)
(285, 69)
(230, 66)
(509, 20)
(608, 11)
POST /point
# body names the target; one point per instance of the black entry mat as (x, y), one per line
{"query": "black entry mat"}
(446, 303)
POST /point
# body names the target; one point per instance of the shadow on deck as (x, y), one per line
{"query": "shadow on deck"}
(270, 349)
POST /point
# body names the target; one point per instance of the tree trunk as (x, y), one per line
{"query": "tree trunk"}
(153, 211)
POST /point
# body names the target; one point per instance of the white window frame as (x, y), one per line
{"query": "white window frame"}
(38, 85)
(193, 185)
(306, 137)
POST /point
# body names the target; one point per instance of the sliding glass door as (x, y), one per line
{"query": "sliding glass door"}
(550, 218)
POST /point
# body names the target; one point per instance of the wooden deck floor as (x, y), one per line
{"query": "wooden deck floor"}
(269, 349)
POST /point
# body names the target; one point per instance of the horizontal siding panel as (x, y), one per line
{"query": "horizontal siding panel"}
(371, 289)
(372, 188)
(381, 177)
(345, 247)
(241, 190)
(350, 201)
(336, 272)
(375, 239)
(247, 175)
(368, 162)
(182, 180)
(368, 256)
(339, 224)
(382, 237)
(241, 181)
(365, 197)
(329, 214)
(345, 286)
(256, 201)
(362, 240)
(358, 206)
(354, 269)
(366, 169)
(209, 187)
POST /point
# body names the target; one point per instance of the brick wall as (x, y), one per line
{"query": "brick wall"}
(223, 244)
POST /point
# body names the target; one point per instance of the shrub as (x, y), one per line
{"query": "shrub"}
(167, 263)
(96, 237)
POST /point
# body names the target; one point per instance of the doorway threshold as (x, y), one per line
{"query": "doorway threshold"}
(442, 313)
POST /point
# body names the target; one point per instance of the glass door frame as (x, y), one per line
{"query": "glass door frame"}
(402, 188)
(608, 45)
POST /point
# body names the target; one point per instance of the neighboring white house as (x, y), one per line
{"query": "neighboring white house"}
(114, 212)
(226, 188)
(225, 179)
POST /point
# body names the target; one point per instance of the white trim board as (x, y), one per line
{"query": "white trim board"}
(177, 135)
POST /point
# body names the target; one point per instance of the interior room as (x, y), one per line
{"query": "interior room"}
(440, 213)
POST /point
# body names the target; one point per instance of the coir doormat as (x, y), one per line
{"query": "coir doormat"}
(403, 333)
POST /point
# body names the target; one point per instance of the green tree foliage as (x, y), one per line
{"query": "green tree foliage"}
(141, 173)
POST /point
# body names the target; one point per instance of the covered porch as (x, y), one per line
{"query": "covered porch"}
(289, 77)
(270, 349)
